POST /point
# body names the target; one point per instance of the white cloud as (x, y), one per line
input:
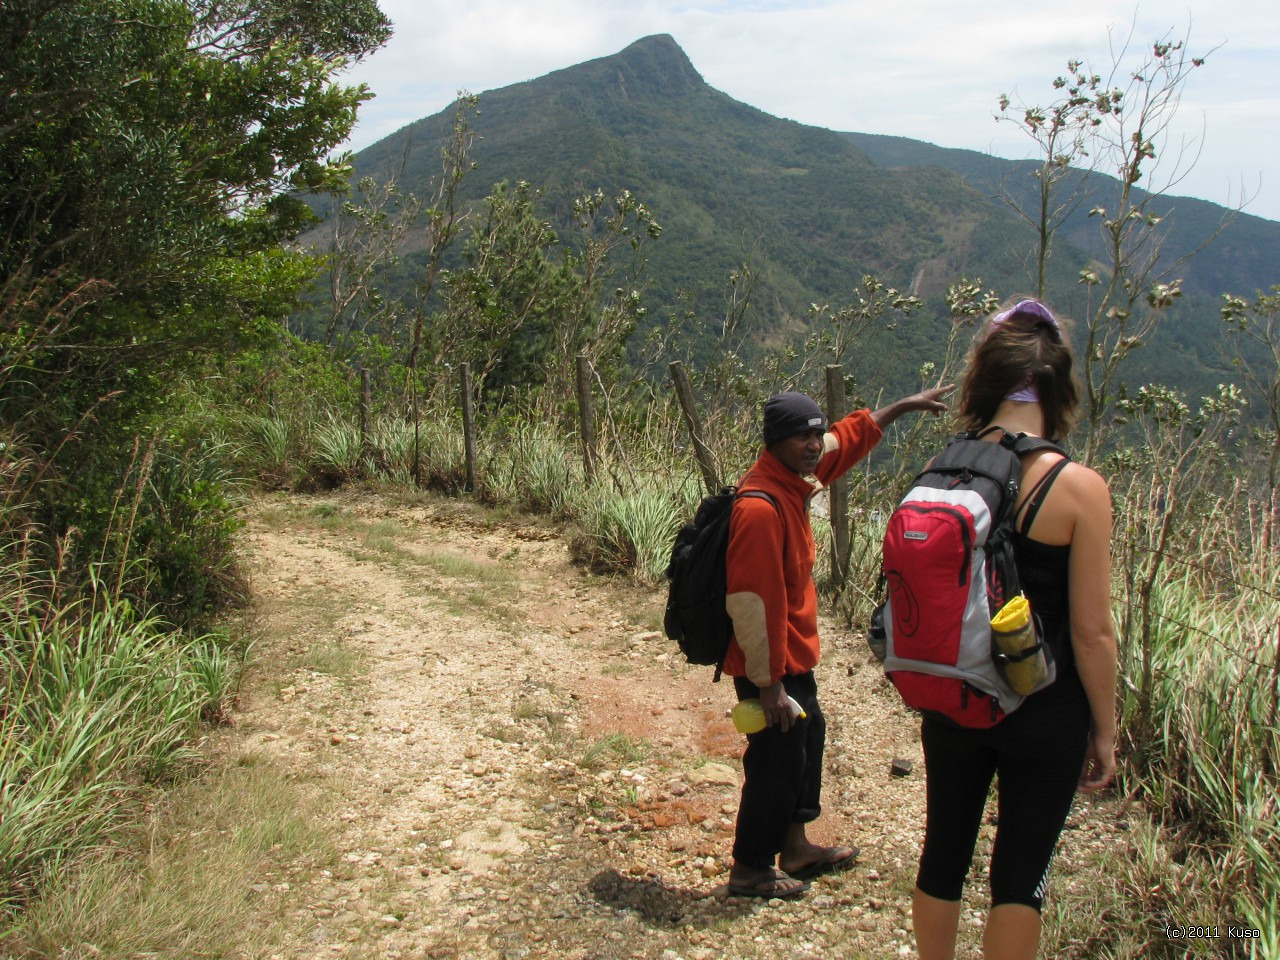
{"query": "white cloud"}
(926, 69)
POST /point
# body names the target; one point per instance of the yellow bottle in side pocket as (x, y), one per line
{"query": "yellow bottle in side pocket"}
(1019, 653)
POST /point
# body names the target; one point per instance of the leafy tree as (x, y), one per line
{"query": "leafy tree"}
(151, 145)
(1121, 125)
(598, 321)
(503, 306)
(1257, 324)
(525, 304)
(154, 154)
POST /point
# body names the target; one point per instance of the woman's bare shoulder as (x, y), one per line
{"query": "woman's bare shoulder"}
(1086, 496)
(1085, 481)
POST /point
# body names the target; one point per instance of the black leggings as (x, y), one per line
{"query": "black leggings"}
(1037, 754)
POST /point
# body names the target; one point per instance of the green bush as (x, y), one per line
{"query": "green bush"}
(338, 451)
(393, 448)
(185, 532)
(160, 529)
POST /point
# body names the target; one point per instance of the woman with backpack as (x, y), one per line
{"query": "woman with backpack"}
(1061, 738)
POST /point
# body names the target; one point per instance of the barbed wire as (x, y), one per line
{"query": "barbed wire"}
(1203, 568)
(1133, 604)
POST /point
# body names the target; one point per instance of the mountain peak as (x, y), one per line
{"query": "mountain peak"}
(654, 64)
(658, 44)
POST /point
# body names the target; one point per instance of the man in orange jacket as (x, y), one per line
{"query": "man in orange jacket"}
(774, 605)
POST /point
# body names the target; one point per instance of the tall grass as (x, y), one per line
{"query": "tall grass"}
(328, 450)
(268, 442)
(109, 577)
(632, 531)
(93, 698)
(393, 447)
(175, 886)
(531, 466)
(441, 448)
(337, 449)
(1199, 708)
(1197, 603)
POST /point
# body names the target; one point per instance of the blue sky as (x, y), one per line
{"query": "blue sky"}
(927, 69)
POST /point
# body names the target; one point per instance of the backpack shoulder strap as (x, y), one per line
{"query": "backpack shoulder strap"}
(754, 495)
(1024, 443)
(1031, 506)
(760, 495)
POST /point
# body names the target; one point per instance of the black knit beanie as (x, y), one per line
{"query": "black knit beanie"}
(786, 414)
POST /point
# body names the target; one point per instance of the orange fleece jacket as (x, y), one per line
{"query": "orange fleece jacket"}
(769, 565)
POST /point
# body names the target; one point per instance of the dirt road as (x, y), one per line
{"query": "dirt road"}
(516, 763)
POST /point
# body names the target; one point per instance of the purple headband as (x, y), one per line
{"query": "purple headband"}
(1027, 393)
(1034, 310)
(1040, 316)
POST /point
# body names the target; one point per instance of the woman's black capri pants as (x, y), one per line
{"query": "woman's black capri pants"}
(1036, 755)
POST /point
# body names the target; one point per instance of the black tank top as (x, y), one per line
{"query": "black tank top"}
(1043, 569)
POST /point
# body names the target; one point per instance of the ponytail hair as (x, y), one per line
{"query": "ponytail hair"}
(1021, 353)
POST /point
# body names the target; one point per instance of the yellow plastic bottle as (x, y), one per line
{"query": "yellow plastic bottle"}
(748, 715)
(1020, 655)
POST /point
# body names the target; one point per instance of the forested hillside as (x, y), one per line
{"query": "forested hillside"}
(1241, 256)
(810, 211)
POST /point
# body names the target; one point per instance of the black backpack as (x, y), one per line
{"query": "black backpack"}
(696, 617)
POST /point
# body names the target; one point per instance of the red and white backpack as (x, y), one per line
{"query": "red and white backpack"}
(948, 566)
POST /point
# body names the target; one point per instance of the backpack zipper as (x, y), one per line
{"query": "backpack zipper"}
(964, 534)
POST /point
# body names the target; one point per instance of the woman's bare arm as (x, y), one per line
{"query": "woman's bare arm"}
(1093, 634)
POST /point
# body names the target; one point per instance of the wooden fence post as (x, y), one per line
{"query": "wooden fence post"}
(468, 425)
(838, 492)
(586, 417)
(684, 393)
(366, 412)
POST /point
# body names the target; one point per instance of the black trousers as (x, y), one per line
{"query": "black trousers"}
(782, 775)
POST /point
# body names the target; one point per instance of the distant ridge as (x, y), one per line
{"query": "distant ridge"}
(813, 210)
(1241, 259)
